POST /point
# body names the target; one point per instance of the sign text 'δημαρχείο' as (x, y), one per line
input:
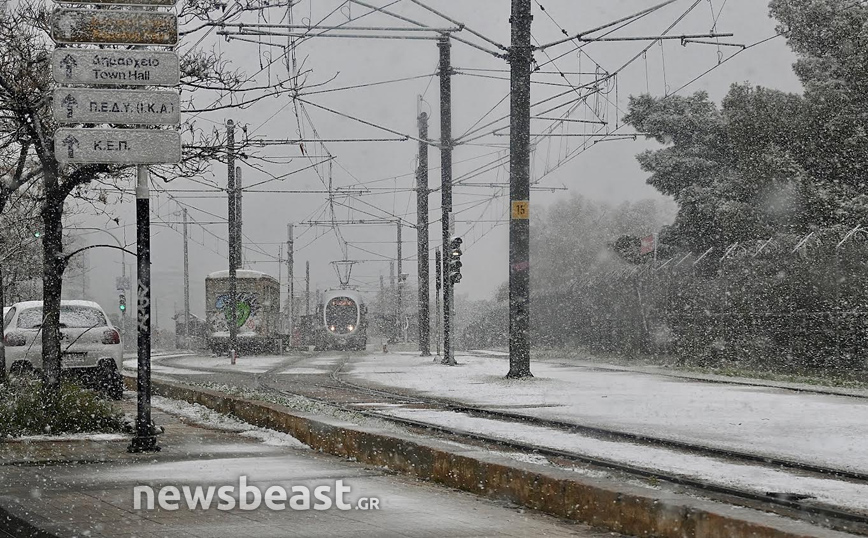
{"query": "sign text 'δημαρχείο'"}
(115, 67)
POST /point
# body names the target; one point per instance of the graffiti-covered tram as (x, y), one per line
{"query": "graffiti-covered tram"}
(257, 311)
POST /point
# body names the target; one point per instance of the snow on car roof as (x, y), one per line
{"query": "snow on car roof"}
(71, 302)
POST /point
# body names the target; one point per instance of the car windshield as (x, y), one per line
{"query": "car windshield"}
(73, 317)
(7, 317)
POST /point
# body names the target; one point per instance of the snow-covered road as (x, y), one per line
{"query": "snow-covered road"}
(821, 429)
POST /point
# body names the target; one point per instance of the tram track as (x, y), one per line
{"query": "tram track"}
(332, 389)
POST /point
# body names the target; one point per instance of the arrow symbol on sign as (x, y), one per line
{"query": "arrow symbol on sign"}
(70, 142)
(69, 102)
(68, 62)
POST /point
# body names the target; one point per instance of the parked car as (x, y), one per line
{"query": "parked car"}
(90, 345)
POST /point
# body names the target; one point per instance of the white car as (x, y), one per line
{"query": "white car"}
(90, 345)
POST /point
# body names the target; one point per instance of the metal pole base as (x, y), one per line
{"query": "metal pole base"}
(143, 444)
(519, 373)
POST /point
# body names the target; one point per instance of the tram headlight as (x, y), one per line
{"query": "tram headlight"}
(332, 328)
(350, 327)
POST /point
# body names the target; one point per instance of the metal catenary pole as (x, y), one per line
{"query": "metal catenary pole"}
(393, 335)
(125, 290)
(186, 286)
(233, 262)
(422, 193)
(307, 288)
(145, 440)
(520, 59)
(290, 288)
(399, 310)
(438, 284)
(239, 222)
(445, 72)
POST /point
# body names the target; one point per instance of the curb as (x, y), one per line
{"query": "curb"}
(15, 526)
(615, 506)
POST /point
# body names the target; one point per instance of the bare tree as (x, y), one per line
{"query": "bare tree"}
(27, 152)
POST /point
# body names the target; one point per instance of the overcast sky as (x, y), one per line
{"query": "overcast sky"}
(605, 171)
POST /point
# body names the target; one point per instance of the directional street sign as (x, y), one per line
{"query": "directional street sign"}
(115, 67)
(117, 146)
(118, 27)
(131, 107)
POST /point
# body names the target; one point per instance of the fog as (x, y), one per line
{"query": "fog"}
(604, 171)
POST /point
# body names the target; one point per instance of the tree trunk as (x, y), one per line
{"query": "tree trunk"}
(52, 284)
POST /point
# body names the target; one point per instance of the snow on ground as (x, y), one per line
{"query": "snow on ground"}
(821, 429)
(757, 479)
(204, 416)
(157, 368)
(69, 437)
(490, 352)
(305, 371)
(188, 364)
(251, 365)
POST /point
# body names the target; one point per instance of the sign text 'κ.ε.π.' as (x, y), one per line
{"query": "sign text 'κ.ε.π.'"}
(117, 146)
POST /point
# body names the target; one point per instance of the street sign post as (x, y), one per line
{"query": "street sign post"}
(134, 107)
(115, 67)
(140, 147)
(117, 146)
(114, 27)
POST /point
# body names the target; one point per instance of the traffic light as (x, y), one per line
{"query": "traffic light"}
(37, 234)
(454, 260)
(122, 302)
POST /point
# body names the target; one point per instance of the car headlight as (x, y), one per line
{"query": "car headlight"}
(350, 327)
(332, 328)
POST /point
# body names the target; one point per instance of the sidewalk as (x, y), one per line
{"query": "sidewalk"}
(85, 489)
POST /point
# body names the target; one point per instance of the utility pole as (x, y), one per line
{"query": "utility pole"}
(445, 47)
(186, 286)
(399, 323)
(290, 289)
(438, 268)
(422, 238)
(306, 288)
(392, 334)
(126, 289)
(280, 307)
(145, 440)
(520, 60)
(239, 223)
(233, 261)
